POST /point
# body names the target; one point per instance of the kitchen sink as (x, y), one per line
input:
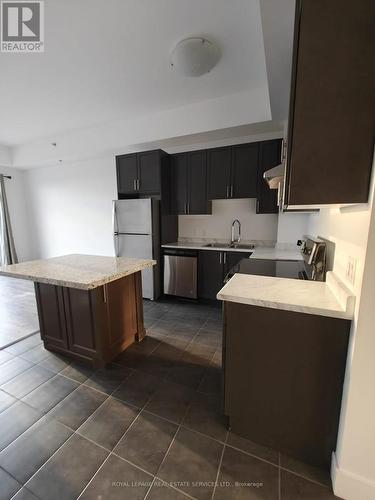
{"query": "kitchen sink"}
(242, 246)
(239, 246)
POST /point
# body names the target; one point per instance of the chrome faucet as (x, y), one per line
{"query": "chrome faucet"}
(233, 241)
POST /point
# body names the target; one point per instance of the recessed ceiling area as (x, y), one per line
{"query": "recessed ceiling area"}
(107, 61)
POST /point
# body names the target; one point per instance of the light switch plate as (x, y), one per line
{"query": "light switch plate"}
(351, 270)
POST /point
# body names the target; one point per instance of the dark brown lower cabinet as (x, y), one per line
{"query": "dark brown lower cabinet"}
(213, 266)
(91, 325)
(283, 379)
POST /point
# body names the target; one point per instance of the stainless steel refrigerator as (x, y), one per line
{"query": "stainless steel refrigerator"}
(136, 233)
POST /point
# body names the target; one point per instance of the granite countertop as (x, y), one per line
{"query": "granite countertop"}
(76, 270)
(329, 298)
(277, 253)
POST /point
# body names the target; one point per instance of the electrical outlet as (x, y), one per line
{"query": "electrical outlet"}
(351, 270)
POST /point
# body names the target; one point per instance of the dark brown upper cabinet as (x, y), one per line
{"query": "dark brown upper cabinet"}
(244, 170)
(219, 173)
(269, 156)
(232, 171)
(127, 173)
(140, 173)
(179, 182)
(189, 183)
(331, 118)
(149, 172)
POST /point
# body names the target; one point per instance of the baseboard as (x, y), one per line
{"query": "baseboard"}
(350, 486)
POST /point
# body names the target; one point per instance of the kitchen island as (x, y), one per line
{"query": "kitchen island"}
(90, 307)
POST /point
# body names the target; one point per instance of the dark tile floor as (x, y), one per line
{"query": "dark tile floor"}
(148, 426)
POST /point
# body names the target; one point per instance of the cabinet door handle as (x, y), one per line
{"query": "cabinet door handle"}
(135, 184)
(225, 257)
(104, 293)
(220, 257)
(188, 207)
(227, 191)
(231, 191)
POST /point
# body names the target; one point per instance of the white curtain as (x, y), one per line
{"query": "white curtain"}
(8, 253)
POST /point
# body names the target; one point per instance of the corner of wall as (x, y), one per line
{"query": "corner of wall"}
(350, 486)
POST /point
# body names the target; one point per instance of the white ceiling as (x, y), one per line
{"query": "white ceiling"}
(108, 60)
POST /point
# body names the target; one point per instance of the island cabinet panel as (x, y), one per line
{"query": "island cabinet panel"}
(122, 313)
(91, 325)
(80, 320)
(51, 314)
(284, 374)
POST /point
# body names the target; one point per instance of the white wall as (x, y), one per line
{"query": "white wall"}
(18, 210)
(292, 227)
(347, 228)
(5, 155)
(354, 467)
(218, 225)
(71, 207)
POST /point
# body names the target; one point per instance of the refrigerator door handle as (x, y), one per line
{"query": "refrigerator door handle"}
(115, 228)
(132, 234)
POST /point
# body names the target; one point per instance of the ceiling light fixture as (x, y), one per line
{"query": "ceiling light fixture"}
(194, 56)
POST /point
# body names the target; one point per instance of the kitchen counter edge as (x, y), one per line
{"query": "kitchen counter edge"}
(330, 298)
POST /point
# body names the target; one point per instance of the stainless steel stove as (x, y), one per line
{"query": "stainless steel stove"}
(312, 267)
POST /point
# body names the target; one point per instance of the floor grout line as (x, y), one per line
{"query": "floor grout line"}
(311, 480)
(150, 487)
(20, 340)
(34, 389)
(219, 467)
(93, 477)
(172, 441)
(50, 458)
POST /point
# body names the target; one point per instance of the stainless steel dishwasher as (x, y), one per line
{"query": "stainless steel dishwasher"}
(180, 272)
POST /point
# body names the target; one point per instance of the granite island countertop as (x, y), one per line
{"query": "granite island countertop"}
(77, 270)
(330, 298)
